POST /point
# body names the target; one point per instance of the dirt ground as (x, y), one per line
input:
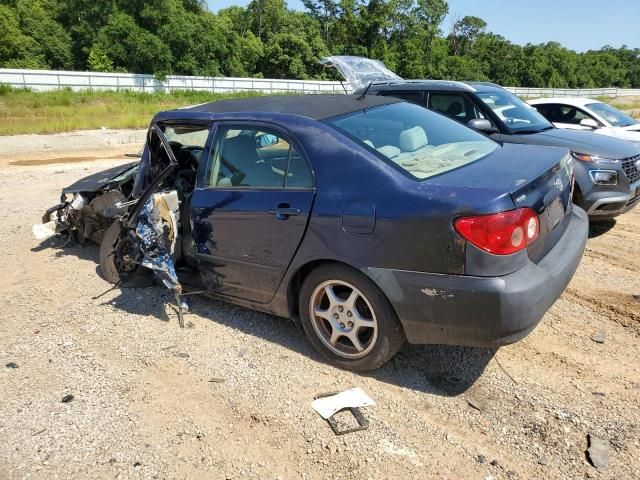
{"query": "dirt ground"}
(69, 147)
(229, 396)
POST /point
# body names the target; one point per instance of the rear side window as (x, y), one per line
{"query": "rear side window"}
(419, 141)
(246, 157)
(413, 96)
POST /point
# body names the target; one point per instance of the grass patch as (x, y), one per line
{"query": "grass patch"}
(26, 111)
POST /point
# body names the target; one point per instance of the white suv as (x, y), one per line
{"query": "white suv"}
(588, 114)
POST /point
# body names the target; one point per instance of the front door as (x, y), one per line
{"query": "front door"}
(565, 116)
(250, 210)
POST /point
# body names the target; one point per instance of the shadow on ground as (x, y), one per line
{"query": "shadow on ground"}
(435, 369)
(600, 227)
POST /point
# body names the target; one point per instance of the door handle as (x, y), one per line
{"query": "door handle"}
(284, 211)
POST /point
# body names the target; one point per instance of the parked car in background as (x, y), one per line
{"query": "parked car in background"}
(588, 114)
(372, 220)
(607, 169)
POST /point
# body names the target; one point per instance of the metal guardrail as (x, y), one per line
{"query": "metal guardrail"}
(42, 80)
(568, 92)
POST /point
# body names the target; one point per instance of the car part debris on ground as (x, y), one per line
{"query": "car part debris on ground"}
(328, 405)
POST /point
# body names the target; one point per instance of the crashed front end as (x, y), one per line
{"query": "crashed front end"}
(89, 206)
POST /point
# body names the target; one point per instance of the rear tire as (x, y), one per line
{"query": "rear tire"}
(117, 271)
(348, 319)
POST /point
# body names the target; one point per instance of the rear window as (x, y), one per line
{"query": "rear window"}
(421, 142)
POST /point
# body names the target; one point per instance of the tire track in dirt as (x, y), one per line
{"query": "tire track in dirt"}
(621, 308)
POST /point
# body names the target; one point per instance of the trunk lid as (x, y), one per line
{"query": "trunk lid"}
(540, 178)
(359, 72)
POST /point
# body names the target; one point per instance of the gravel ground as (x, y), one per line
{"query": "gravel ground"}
(229, 396)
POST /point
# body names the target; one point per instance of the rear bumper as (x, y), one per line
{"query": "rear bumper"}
(483, 311)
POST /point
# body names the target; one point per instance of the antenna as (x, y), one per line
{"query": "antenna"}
(362, 95)
(344, 88)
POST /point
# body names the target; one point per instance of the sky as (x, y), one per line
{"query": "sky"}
(577, 24)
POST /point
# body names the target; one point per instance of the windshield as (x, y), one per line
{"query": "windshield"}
(515, 113)
(612, 115)
(421, 142)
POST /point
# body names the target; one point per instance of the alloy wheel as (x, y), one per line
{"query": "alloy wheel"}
(343, 319)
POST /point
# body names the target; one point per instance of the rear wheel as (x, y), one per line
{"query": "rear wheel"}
(348, 319)
(115, 253)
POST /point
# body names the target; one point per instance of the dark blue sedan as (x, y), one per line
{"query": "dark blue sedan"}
(371, 220)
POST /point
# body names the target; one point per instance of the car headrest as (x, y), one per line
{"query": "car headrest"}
(389, 151)
(412, 139)
(454, 109)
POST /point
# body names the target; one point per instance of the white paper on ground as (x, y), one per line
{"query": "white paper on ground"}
(328, 406)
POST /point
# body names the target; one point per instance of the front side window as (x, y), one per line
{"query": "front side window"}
(612, 115)
(515, 113)
(563, 114)
(256, 157)
(421, 142)
(452, 105)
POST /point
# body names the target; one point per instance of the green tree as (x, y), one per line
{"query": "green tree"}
(131, 48)
(99, 61)
(53, 41)
(17, 50)
(464, 33)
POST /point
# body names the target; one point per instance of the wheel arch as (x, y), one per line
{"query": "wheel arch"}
(297, 279)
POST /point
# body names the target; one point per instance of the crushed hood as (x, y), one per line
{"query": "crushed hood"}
(99, 181)
(359, 71)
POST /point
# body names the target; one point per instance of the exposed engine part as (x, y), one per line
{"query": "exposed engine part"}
(78, 202)
(109, 205)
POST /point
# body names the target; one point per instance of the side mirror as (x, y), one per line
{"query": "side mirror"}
(266, 140)
(481, 125)
(589, 122)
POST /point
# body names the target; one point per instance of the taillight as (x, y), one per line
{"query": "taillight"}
(501, 233)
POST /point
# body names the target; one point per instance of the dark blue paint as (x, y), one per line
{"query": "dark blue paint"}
(364, 212)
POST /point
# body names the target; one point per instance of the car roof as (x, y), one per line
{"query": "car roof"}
(471, 86)
(427, 84)
(315, 106)
(573, 101)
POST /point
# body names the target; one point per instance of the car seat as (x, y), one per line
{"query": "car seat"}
(240, 156)
(413, 139)
(454, 109)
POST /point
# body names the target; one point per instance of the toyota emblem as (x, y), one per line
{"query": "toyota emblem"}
(558, 183)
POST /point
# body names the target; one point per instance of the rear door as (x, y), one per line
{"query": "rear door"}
(251, 210)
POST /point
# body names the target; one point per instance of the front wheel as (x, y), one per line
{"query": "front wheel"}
(115, 253)
(348, 319)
